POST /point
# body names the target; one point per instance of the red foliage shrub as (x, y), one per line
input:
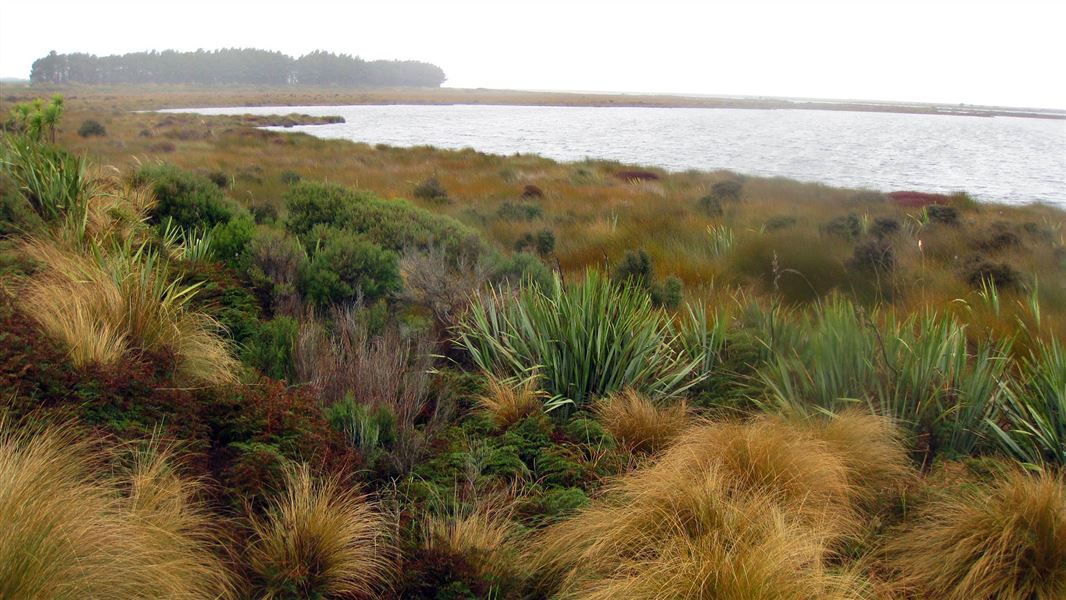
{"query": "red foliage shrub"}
(918, 199)
(631, 176)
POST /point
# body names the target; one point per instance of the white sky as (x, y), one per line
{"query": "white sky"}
(1006, 52)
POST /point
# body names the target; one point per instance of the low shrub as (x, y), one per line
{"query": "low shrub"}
(727, 191)
(978, 270)
(873, 255)
(189, 200)
(392, 224)
(91, 128)
(520, 268)
(519, 211)
(884, 226)
(669, 293)
(532, 191)
(270, 348)
(846, 227)
(635, 268)
(431, 190)
(938, 213)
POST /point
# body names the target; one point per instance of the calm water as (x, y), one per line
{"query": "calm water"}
(1004, 159)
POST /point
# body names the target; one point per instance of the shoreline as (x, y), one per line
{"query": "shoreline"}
(149, 97)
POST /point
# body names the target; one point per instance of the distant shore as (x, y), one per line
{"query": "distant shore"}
(159, 96)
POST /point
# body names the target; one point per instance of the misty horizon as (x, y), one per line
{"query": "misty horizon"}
(983, 53)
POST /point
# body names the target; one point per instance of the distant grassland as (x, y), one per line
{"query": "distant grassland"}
(777, 238)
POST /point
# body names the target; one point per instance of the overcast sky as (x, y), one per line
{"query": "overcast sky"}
(976, 52)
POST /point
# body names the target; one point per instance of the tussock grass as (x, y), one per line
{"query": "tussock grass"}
(107, 304)
(733, 510)
(319, 539)
(483, 532)
(69, 532)
(1005, 540)
(638, 424)
(508, 401)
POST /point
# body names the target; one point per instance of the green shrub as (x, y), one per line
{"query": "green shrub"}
(230, 240)
(521, 267)
(393, 224)
(884, 226)
(635, 268)
(348, 267)
(846, 227)
(669, 293)
(586, 339)
(947, 215)
(520, 211)
(431, 190)
(271, 346)
(873, 255)
(543, 242)
(189, 200)
(90, 128)
(727, 191)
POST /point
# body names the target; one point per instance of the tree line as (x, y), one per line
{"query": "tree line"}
(232, 66)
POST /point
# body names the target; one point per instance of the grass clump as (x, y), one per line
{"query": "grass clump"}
(733, 510)
(639, 425)
(507, 402)
(70, 534)
(319, 539)
(1004, 540)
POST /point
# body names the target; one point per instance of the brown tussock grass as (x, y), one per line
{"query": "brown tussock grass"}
(484, 533)
(639, 425)
(319, 539)
(69, 532)
(508, 401)
(733, 510)
(1005, 540)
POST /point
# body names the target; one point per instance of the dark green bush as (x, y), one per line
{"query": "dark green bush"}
(432, 190)
(219, 178)
(873, 255)
(270, 348)
(884, 226)
(979, 270)
(347, 267)
(711, 205)
(947, 215)
(230, 240)
(636, 268)
(727, 191)
(90, 128)
(669, 293)
(192, 201)
(778, 223)
(846, 227)
(290, 177)
(543, 242)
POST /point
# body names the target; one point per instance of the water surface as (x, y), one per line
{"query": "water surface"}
(1001, 159)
